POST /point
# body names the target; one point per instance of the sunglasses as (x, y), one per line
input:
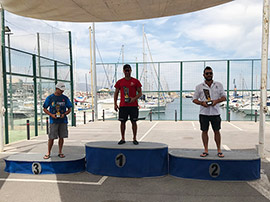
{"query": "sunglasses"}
(209, 73)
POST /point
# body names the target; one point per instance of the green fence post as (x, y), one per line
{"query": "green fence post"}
(35, 93)
(71, 80)
(228, 88)
(158, 91)
(252, 63)
(181, 91)
(4, 75)
(55, 71)
(137, 71)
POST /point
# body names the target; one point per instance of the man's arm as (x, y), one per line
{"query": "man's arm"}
(219, 100)
(198, 102)
(116, 92)
(49, 113)
(139, 90)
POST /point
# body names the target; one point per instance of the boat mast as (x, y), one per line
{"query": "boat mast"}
(91, 66)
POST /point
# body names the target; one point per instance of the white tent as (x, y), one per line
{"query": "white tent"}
(105, 10)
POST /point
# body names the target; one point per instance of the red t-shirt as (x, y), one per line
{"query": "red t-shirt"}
(130, 87)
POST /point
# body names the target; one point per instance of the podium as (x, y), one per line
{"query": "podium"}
(148, 159)
(35, 164)
(237, 165)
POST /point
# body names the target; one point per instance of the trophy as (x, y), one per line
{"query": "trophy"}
(126, 92)
(58, 114)
(207, 96)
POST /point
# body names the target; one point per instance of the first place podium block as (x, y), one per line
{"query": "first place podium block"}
(35, 164)
(148, 159)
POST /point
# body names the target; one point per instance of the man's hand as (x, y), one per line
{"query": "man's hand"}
(53, 116)
(204, 104)
(132, 100)
(62, 116)
(214, 102)
(116, 107)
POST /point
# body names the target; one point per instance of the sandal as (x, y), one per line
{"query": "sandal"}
(61, 155)
(122, 142)
(46, 156)
(135, 142)
(204, 154)
(220, 155)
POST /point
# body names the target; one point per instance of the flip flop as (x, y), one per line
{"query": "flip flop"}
(46, 156)
(61, 155)
(220, 155)
(122, 142)
(204, 154)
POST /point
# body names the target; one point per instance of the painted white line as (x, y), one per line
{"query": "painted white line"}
(100, 182)
(235, 126)
(262, 185)
(226, 147)
(268, 159)
(148, 131)
(193, 125)
(267, 123)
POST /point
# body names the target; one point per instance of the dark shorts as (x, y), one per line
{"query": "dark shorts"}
(132, 112)
(58, 130)
(214, 120)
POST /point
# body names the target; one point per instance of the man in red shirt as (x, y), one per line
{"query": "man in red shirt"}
(128, 86)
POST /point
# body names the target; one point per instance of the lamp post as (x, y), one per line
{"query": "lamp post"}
(8, 33)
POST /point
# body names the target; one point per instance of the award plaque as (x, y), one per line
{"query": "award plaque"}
(58, 114)
(126, 93)
(207, 96)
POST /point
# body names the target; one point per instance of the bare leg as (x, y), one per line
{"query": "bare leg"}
(218, 140)
(50, 144)
(134, 129)
(60, 144)
(205, 140)
(123, 129)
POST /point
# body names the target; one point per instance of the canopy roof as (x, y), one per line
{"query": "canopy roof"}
(104, 10)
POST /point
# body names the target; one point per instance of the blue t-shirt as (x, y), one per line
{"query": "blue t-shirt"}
(61, 102)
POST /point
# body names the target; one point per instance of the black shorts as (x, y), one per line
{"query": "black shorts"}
(215, 122)
(132, 112)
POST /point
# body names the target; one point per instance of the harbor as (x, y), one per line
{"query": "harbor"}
(184, 134)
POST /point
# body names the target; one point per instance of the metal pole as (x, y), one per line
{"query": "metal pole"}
(71, 80)
(35, 94)
(91, 66)
(264, 67)
(10, 84)
(93, 115)
(28, 129)
(84, 117)
(175, 115)
(47, 125)
(150, 115)
(39, 85)
(2, 109)
(181, 91)
(95, 71)
(103, 115)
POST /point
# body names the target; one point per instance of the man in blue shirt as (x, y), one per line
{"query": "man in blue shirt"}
(58, 105)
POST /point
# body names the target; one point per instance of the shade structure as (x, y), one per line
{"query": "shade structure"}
(105, 10)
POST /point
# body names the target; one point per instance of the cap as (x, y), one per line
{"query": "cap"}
(60, 86)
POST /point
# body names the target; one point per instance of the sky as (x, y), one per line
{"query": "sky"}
(229, 31)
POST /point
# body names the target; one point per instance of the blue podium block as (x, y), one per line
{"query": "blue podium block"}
(235, 166)
(148, 159)
(35, 164)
